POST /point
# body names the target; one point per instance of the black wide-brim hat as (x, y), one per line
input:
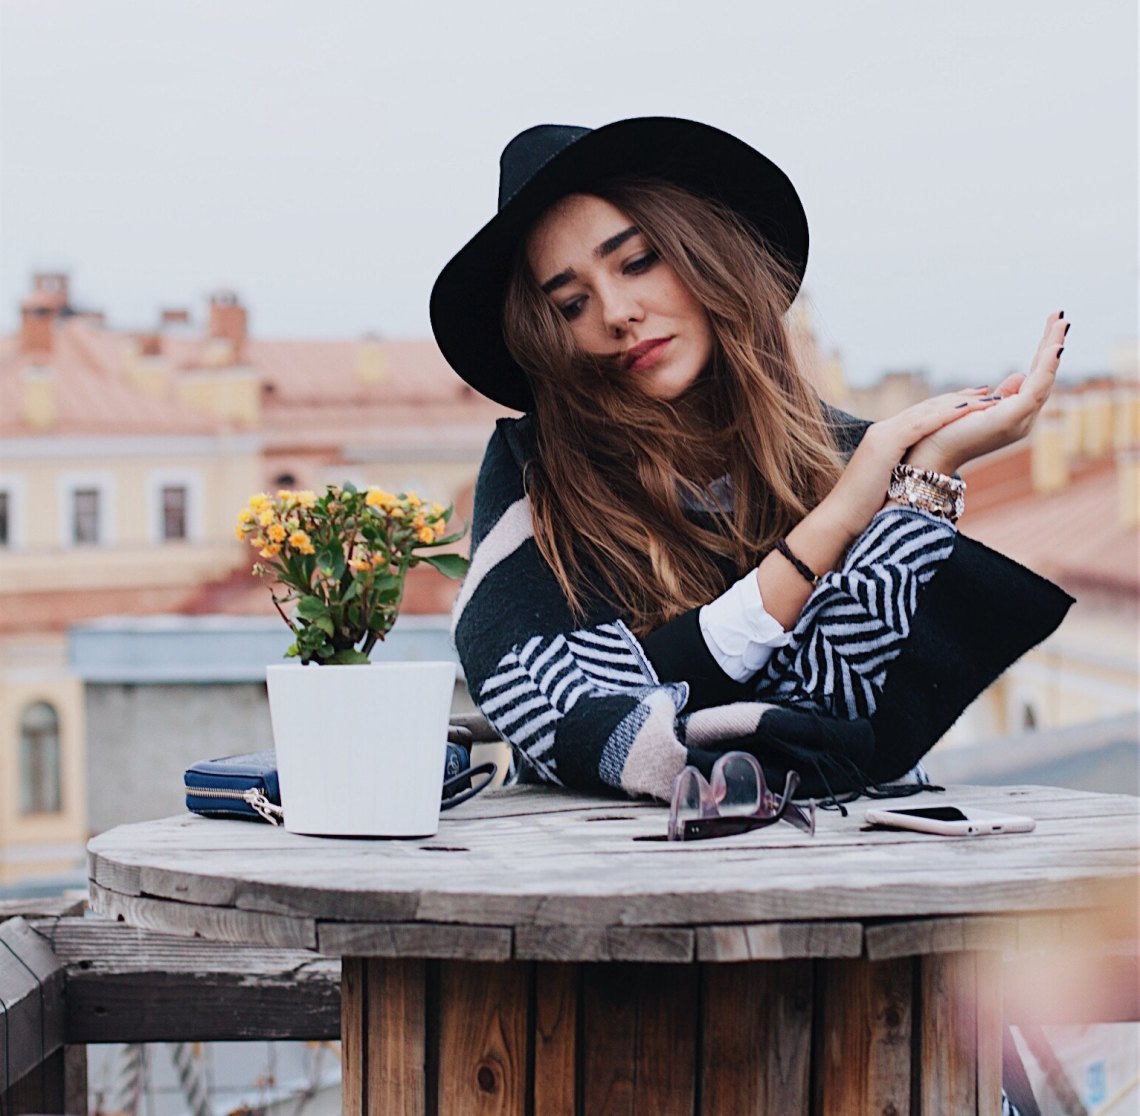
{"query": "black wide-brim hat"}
(549, 161)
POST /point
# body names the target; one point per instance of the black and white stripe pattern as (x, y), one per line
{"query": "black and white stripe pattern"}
(535, 685)
(858, 618)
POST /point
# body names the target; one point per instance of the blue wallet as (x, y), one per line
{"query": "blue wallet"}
(246, 786)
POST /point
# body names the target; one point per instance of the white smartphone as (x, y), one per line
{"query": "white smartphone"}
(950, 821)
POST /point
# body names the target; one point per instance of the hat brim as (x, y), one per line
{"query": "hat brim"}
(466, 301)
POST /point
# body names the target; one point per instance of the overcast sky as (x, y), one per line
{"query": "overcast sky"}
(966, 167)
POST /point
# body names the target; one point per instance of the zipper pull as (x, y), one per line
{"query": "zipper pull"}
(270, 812)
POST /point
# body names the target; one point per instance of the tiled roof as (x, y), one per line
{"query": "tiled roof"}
(1073, 536)
(90, 395)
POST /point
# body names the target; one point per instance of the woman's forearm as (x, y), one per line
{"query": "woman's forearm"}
(819, 540)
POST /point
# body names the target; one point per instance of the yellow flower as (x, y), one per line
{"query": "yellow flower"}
(425, 535)
(245, 516)
(418, 523)
(439, 529)
(258, 502)
(285, 495)
(257, 541)
(378, 498)
(437, 509)
(306, 498)
(379, 561)
(271, 551)
(265, 517)
(359, 565)
(239, 532)
(276, 532)
(412, 499)
(299, 541)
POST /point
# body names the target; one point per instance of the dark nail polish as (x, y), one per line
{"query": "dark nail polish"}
(1060, 351)
(1060, 315)
(1066, 333)
(982, 387)
(959, 406)
(989, 398)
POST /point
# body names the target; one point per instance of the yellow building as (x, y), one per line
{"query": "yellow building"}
(123, 460)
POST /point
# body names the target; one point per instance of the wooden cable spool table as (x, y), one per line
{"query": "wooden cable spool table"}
(533, 958)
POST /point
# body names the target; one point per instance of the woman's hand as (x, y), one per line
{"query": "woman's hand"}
(862, 489)
(822, 537)
(947, 449)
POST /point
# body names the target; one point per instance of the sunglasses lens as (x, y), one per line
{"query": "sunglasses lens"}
(737, 784)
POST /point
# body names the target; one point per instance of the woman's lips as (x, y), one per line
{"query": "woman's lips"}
(646, 355)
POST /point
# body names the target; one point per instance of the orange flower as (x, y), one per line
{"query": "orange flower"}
(301, 542)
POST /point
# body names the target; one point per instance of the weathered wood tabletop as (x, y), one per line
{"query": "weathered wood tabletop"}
(885, 988)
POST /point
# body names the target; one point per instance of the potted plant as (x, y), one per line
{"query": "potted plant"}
(360, 748)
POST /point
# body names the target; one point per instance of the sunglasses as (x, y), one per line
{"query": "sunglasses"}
(735, 800)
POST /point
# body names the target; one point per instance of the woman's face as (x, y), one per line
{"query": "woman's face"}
(620, 299)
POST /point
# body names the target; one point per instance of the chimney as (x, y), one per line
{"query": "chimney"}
(371, 361)
(1049, 464)
(37, 320)
(54, 288)
(39, 396)
(174, 316)
(228, 324)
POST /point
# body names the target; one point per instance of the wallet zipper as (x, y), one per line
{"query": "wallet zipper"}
(255, 798)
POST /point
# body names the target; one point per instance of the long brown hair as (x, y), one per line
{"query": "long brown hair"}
(616, 468)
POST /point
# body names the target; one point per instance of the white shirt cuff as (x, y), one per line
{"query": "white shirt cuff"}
(739, 631)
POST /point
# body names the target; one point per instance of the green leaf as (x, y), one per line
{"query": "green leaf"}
(450, 565)
(352, 592)
(348, 488)
(348, 657)
(331, 560)
(325, 624)
(310, 608)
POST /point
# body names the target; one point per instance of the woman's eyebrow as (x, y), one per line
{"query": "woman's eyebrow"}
(612, 244)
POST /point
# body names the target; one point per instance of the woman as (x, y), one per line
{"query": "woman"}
(678, 549)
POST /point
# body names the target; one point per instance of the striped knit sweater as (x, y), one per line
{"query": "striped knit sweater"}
(590, 706)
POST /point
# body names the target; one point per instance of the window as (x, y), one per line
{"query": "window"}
(174, 505)
(85, 515)
(5, 513)
(39, 760)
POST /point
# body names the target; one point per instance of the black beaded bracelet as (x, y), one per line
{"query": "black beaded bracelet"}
(802, 568)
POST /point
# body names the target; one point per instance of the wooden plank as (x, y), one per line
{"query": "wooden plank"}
(396, 1035)
(555, 1038)
(32, 1016)
(415, 939)
(756, 1023)
(353, 1037)
(612, 943)
(52, 906)
(864, 1062)
(913, 937)
(218, 924)
(638, 1035)
(483, 1037)
(779, 941)
(991, 1025)
(130, 985)
(949, 1033)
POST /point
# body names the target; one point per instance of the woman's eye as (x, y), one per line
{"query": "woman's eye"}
(642, 263)
(570, 310)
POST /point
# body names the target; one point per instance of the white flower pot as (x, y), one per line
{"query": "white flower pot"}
(360, 749)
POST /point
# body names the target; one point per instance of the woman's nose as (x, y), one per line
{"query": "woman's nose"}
(619, 310)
